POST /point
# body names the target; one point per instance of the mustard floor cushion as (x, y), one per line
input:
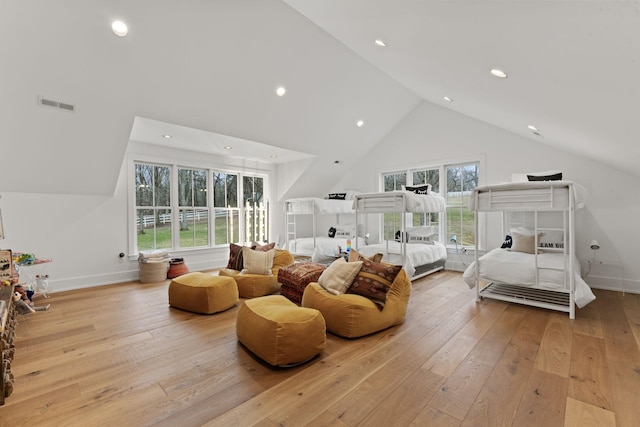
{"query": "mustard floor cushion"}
(352, 316)
(280, 332)
(203, 293)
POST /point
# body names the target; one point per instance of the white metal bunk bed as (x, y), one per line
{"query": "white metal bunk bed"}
(315, 206)
(417, 253)
(549, 276)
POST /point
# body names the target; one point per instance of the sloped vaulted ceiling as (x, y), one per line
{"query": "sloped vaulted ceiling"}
(572, 66)
(213, 66)
(208, 65)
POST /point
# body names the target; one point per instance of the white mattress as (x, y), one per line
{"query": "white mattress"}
(399, 201)
(309, 205)
(325, 246)
(528, 195)
(518, 268)
(417, 253)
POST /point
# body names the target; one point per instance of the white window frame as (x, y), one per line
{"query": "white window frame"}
(441, 166)
(175, 208)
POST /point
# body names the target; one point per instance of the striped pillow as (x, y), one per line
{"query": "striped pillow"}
(258, 262)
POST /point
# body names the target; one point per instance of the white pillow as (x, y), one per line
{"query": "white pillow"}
(257, 262)
(524, 242)
(337, 278)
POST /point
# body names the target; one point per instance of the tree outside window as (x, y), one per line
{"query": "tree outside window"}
(193, 209)
(422, 177)
(255, 209)
(153, 206)
(462, 179)
(226, 210)
(392, 181)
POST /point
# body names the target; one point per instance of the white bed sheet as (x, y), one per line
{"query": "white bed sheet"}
(308, 205)
(518, 268)
(325, 246)
(391, 201)
(417, 253)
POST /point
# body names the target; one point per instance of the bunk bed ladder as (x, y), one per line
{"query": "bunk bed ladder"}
(290, 229)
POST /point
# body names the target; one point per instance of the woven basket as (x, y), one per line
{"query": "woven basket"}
(153, 271)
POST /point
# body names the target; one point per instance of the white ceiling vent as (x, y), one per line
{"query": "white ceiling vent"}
(56, 104)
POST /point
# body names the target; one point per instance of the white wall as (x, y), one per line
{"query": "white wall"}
(433, 135)
(84, 235)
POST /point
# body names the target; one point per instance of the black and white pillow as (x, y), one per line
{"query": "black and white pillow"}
(545, 176)
(418, 189)
(508, 241)
(337, 196)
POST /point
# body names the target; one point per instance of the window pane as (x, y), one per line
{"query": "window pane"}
(162, 186)
(392, 221)
(394, 181)
(461, 181)
(200, 188)
(255, 209)
(144, 185)
(153, 229)
(196, 230)
(232, 191)
(192, 187)
(185, 187)
(227, 226)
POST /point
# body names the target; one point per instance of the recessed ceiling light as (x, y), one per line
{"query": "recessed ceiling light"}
(533, 128)
(498, 73)
(273, 156)
(228, 147)
(167, 136)
(360, 123)
(119, 28)
(280, 91)
(446, 98)
(380, 43)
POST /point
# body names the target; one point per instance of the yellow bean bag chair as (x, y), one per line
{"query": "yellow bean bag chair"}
(352, 316)
(256, 285)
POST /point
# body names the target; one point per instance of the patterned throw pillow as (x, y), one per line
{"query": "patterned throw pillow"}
(236, 261)
(357, 256)
(374, 281)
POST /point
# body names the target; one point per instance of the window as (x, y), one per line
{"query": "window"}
(255, 209)
(184, 208)
(226, 209)
(391, 222)
(153, 206)
(421, 177)
(194, 213)
(461, 180)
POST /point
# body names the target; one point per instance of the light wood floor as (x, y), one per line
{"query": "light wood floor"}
(120, 356)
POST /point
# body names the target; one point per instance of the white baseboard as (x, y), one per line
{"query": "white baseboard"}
(615, 284)
(133, 275)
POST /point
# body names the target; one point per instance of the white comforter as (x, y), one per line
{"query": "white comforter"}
(417, 253)
(518, 268)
